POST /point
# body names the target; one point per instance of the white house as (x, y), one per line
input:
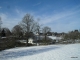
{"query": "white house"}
(30, 40)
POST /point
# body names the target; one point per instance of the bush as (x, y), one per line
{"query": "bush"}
(19, 44)
(47, 41)
(6, 43)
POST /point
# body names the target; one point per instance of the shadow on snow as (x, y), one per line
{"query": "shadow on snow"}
(24, 52)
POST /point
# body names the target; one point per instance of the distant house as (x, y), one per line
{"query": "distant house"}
(41, 34)
(49, 33)
(58, 34)
(76, 31)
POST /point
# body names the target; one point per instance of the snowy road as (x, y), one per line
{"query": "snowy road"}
(51, 52)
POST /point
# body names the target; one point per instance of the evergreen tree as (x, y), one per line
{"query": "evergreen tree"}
(3, 33)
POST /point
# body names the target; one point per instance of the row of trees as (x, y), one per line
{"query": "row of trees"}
(26, 28)
(72, 36)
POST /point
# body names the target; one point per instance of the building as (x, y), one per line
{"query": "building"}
(30, 40)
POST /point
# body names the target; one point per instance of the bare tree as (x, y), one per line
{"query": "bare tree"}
(38, 28)
(17, 31)
(29, 25)
(45, 30)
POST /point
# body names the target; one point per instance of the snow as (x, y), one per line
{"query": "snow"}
(50, 52)
(54, 37)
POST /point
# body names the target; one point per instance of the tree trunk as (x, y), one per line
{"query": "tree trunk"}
(45, 38)
(27, 41)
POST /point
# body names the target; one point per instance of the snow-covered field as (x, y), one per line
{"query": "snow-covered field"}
(50, 52)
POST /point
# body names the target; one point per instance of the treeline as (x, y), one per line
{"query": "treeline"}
(24, 30)
(72, 36)
(29, 28)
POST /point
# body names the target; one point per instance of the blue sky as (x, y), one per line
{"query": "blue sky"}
(60, 15)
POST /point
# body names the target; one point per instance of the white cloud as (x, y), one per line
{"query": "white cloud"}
(37, 4)
(62, 27)
(3, 16)
(17, 11)
(51, 18)
(58, 21)
(0, 7)
(47, 20)
(8, 21)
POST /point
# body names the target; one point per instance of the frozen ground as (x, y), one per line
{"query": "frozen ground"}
(50, 52)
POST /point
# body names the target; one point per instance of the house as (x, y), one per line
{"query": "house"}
(41, 34)
(30, 40)
(49, 33)
(58, 34)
